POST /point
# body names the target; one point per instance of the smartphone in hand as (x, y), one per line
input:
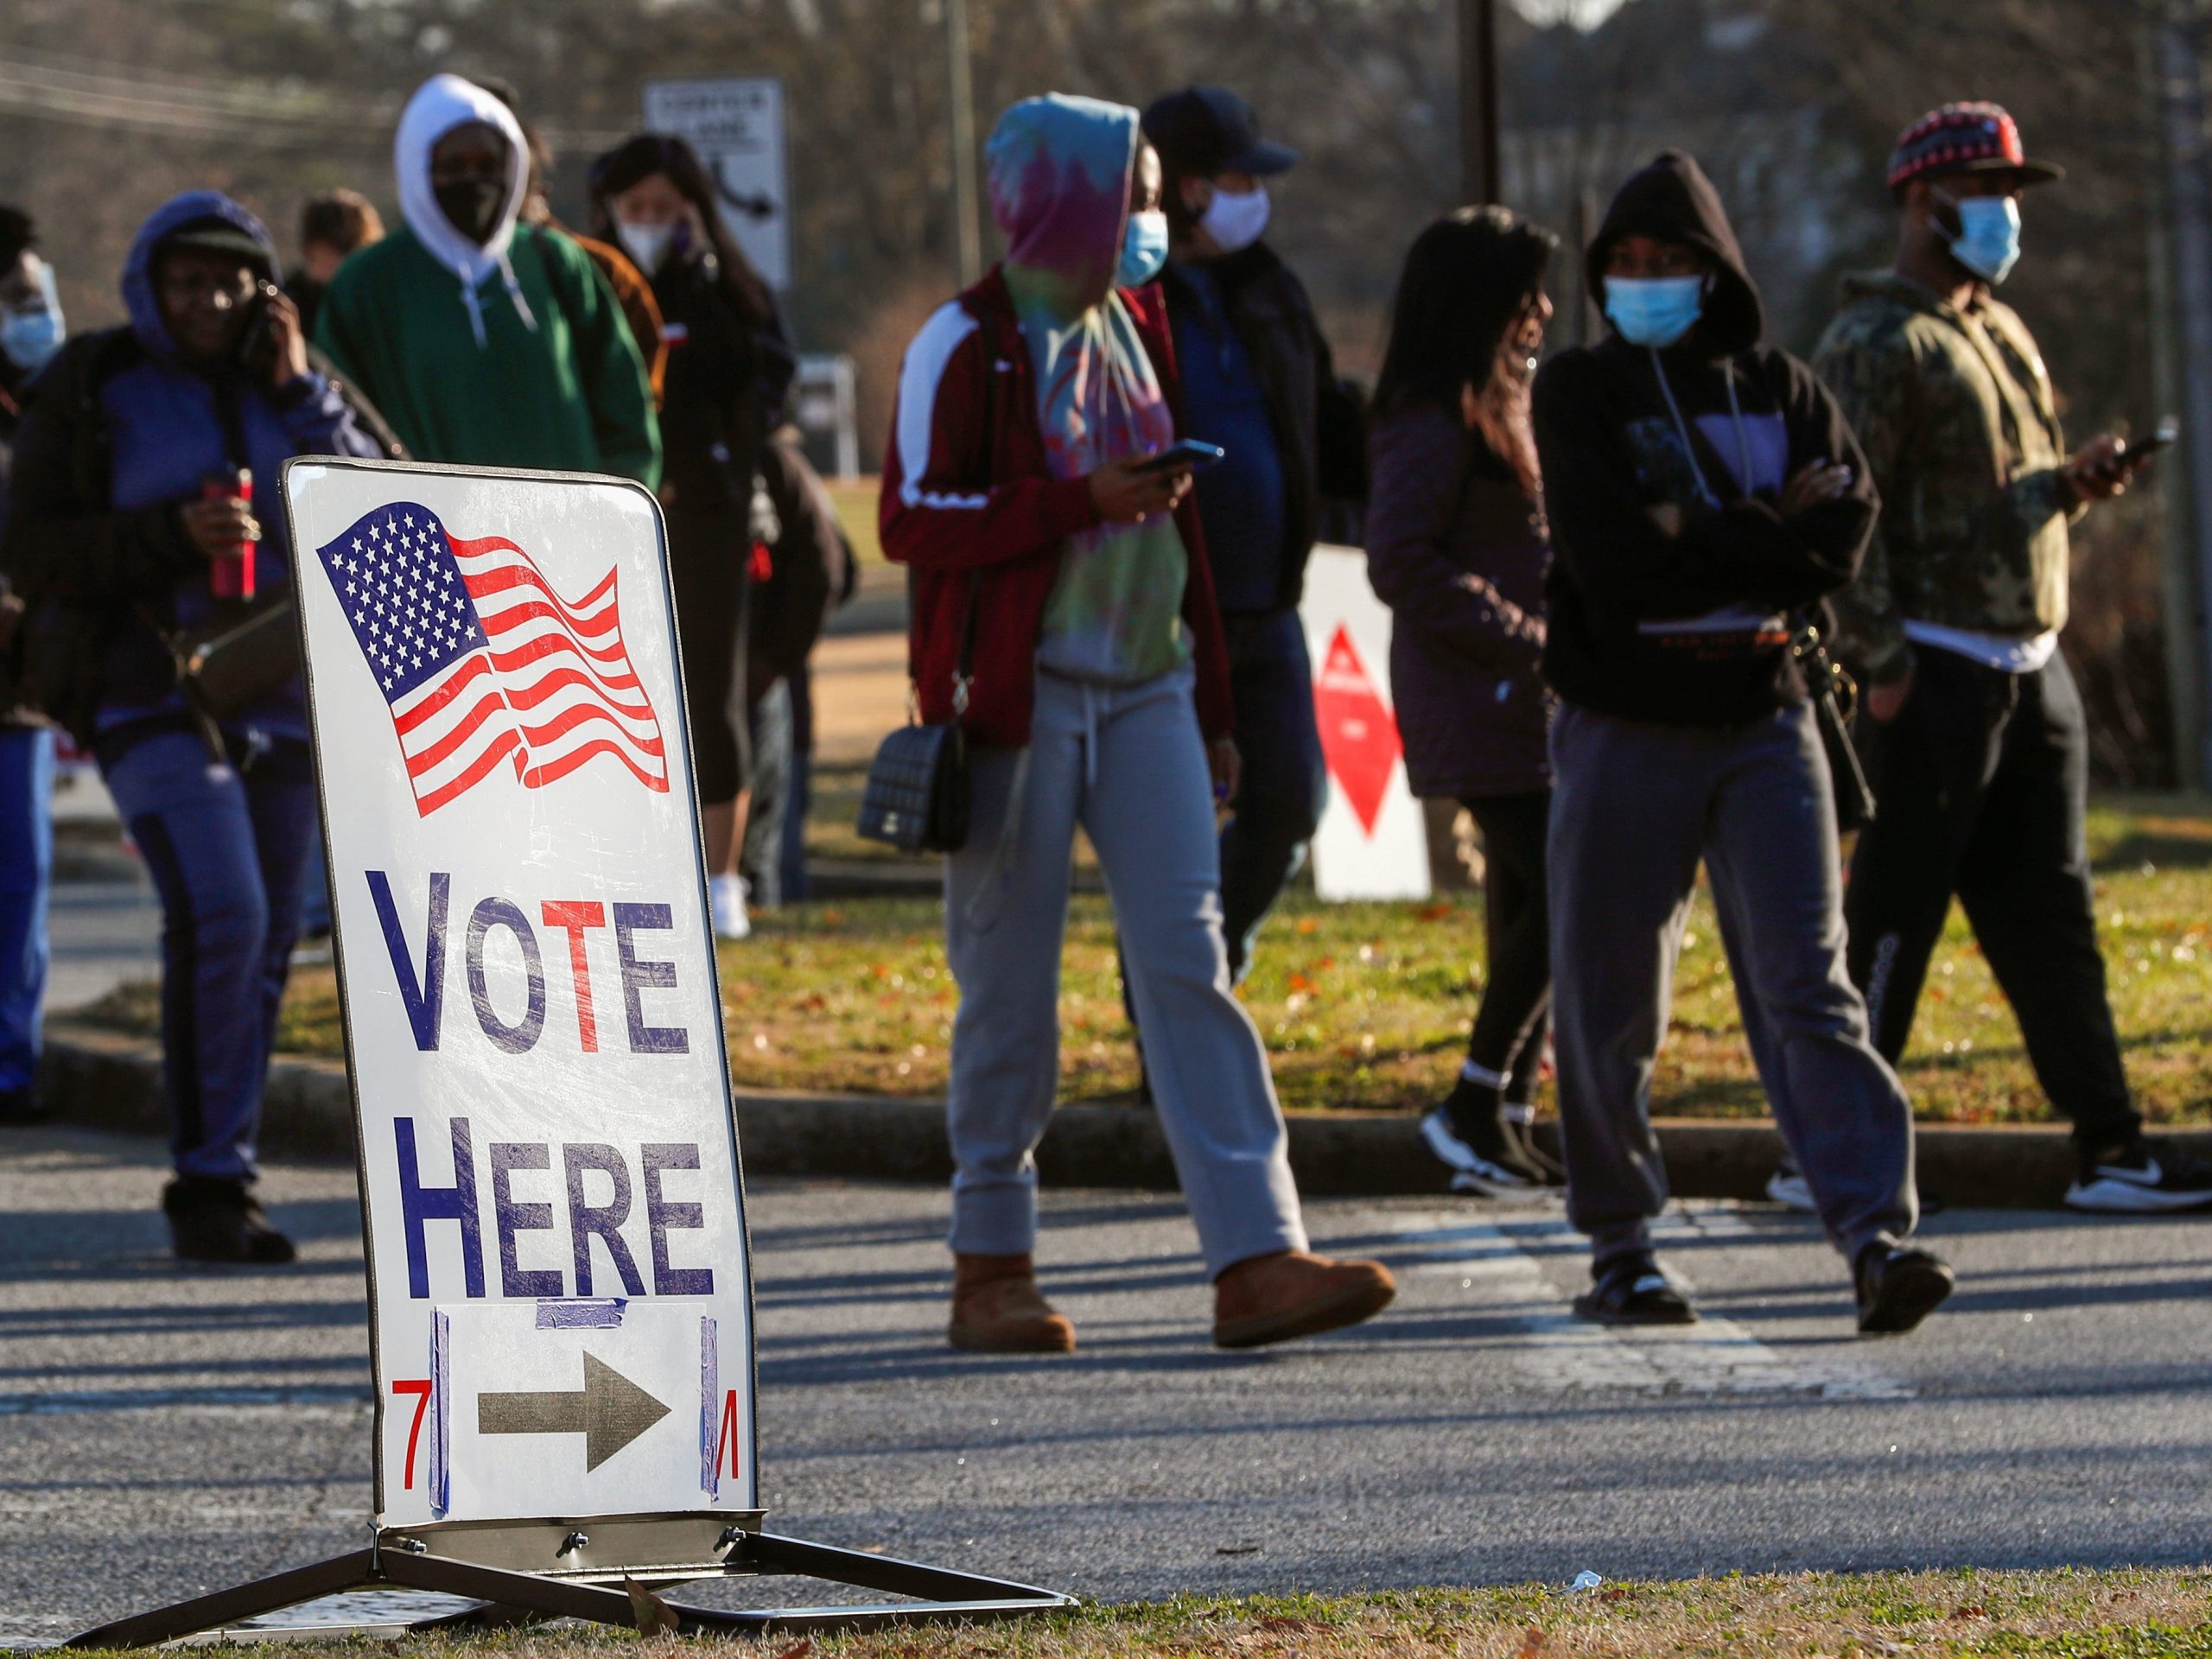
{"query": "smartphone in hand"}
(1184, 455)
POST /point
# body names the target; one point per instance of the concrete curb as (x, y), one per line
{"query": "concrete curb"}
(103, 1080)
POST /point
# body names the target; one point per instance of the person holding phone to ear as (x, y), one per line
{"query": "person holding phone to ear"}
(124, 524)
(1980, 747)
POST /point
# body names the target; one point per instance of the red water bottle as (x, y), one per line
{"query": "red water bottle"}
(230, 574)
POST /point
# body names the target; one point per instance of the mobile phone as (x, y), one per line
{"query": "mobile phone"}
(253, 334)
(1184, 455)
(2167, 434)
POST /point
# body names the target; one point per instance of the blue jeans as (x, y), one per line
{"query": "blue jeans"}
(1285, 780)
(26, 876)
(225, 847)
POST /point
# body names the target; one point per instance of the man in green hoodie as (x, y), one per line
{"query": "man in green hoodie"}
(1979, 747)
(484, 342)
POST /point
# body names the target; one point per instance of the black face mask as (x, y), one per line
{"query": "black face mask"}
(473, 207)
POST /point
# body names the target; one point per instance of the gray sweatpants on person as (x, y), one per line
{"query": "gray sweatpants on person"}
(1634, 806)
(1129, 765)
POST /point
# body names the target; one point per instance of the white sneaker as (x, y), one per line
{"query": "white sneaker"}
(726, 897)
(1788, 1187)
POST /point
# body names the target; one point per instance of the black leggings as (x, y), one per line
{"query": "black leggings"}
(1510, 1026)
(710, 566)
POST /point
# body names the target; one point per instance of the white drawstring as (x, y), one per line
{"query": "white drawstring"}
(514, 293)
(521, 306)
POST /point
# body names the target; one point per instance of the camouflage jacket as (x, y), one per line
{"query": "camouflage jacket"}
(1954, 410)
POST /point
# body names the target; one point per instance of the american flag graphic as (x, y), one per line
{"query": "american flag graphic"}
(480, 662)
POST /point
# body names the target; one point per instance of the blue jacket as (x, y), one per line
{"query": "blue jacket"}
(117, 434)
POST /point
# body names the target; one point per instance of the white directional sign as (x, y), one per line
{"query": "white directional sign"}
(737, 127)
(558, 1282)
(1372, 841)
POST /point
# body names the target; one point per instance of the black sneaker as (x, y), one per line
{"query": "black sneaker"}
(2145, 1177)
(1631, 1290)
(1478, 1157)
(1898, 1286)
(220, 1221)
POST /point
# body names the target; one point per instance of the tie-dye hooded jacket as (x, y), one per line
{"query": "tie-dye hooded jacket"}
(1008, 397)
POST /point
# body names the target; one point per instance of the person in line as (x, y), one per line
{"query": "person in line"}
(332, 226)
(1977, 742)
(31, 332)
(484, 342)
(1705, 495)
(1456, 548)
(113, 537)
(1259, 381)
(730, 365)
(1063, 611)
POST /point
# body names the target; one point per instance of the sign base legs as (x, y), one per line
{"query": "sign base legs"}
(513, 1598)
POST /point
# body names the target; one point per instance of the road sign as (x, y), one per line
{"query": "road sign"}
(737, 127)
(1372, 842)
(560, 1296)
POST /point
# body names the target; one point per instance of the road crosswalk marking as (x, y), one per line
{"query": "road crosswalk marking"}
(1500, 1266)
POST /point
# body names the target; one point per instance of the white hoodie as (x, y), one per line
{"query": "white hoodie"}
(440, 104)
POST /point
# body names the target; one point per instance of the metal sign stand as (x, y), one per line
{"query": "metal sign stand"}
(518, 1565)
(508, 1594)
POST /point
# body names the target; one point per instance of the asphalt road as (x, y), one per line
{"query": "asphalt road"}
(164, 1431)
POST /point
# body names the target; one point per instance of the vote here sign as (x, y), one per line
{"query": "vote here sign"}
(557, 1275)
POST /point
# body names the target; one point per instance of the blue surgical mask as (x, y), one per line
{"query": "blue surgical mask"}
(29, 336)
(1655, 311)
(1144, 248)
(1988, 242)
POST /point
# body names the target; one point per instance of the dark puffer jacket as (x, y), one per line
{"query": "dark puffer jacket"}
(1457, 552)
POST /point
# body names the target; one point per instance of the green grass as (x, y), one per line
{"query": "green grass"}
(2049, 1615)
(1366, 1005)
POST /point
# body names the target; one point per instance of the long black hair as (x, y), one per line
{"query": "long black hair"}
(1468, 279)
(639, 158)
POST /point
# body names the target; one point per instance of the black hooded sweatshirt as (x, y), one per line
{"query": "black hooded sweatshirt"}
(1689, 629)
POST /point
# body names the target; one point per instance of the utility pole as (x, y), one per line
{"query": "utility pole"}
(1479, 161)
(966, 236)
(2177, 56)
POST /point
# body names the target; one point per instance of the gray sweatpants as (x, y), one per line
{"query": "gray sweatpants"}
(1129, 765)
(1634, 806)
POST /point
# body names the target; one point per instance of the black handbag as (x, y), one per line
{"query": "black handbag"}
(1835, 696)
(916, 798)
(236, 658)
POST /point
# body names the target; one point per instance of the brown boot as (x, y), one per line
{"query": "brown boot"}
(1291, 1293)
(997, 1308)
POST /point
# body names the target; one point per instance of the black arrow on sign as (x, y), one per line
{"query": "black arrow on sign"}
(609, 1411)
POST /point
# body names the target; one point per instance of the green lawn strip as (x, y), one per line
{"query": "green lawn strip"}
(1366, 1007)
(2126, 1614)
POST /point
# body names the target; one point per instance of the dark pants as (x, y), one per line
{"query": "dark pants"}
(1279, 800)
(710, 568)
(224, 847)
(1634, 807)
(1982, 782)
(1509, 1025)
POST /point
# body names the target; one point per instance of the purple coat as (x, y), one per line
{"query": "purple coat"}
(1457, 552)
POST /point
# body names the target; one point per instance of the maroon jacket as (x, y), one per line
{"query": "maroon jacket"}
(968, 495)
(1457, 550)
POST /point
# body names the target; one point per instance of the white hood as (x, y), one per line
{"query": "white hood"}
(440, 104)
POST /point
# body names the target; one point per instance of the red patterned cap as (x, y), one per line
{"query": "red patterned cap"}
(1965, 138)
